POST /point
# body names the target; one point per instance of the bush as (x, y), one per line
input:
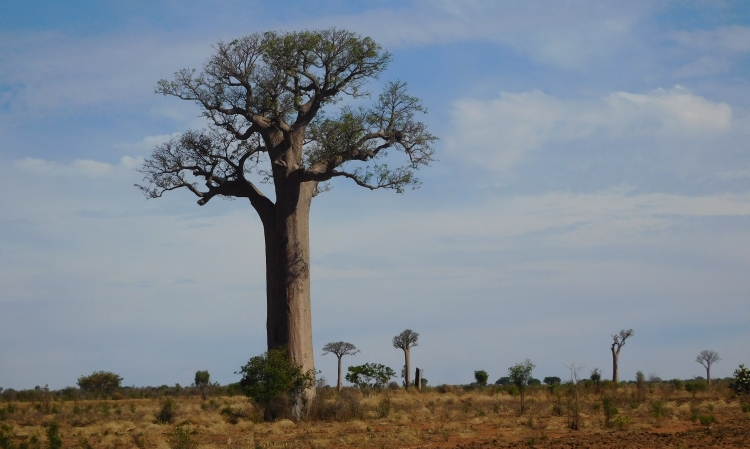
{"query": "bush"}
(741, 382)
(180, 438)
(53, 435)
(694, 386)
(503, 381)
(100, 383)
(609, 410)
(369, 376)
(552, 380)
(344, 407)
(166, 413)
(481, 377)
(202, 381)
(275, 382)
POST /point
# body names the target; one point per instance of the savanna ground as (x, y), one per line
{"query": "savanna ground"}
(442, 417)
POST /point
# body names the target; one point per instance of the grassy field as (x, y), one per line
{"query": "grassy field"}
(442, 417)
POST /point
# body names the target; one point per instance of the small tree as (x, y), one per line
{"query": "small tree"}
(100, 383)
(520, 374)
(369, 376)
(552, 380)
(708, 358)
(272, 375)
(481, 377)
(741, 382)
(405, 341)
(202, 382)
(340, 349)
(617, 344)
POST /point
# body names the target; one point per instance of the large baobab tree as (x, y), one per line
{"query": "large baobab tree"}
(618, 341)
(708, 358)
(405, 341)
(268, 101)
(340, 349)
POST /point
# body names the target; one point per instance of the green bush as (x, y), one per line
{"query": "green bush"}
(166, 413)
(503, 381)
(369, 376)
(53, 435)
(552, 380)
(100, 383)
(741, 382)
(609, 409)
(481, 377)
(694, 386)
(180, 438)
(275, 382)
(202, 381)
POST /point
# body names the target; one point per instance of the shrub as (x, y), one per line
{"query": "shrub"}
(503, 381)
(707, 420)
(180, 438)
(678, 384)
(533, 381)
(6, 437)
(694, 386)
(202, 382)
(272, 380)
(520, 374)
(100, 383)
(658, 410)
(481, 377)
(609, 410)
(233, 416)
(552, 380)
(53, 435)
(345, 407)
(369, 376)
(741, 382)
(166, 413)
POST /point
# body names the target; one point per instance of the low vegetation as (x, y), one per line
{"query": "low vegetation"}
(443, 416)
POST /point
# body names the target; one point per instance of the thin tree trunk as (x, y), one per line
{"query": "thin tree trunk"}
(708, 376)
(339, 387)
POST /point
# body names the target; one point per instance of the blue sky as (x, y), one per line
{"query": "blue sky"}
(593, 174)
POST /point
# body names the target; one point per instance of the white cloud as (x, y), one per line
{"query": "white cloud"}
(569, 36)
(497, 133)
(85, 168)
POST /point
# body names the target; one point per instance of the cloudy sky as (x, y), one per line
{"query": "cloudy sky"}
(593, 175)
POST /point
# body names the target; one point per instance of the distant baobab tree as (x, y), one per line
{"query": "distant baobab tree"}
(617, 344)
(708, 358)
(340, 349)
(405, 341)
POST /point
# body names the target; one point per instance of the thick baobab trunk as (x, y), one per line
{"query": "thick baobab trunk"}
(615, 368)
(408, 368)
(287, 239)
(339, 387)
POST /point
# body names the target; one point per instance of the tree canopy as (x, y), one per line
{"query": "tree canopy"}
(264, 96)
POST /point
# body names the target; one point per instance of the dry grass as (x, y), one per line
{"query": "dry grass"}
(389, 419)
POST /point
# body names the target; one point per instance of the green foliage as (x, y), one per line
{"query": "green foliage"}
(678, 384)
(609, 409)
(596, 375)
(552, 380)
(520, 375)
(503, 381)
(745, 407)
(53, 435)
(202, 381)
(658, 410)
(166, 413)
(533, 381)
(100, 383)
(272, 374)
(695, 386)
(481, 377)
(706, 420)
(180, 438)
(741, 382)
(6, 437)
(369, 376)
